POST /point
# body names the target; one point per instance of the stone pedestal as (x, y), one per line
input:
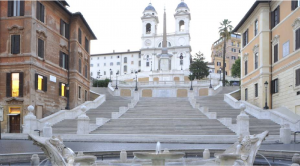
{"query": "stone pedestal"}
(285, 134)
(83, 124)
(136, 95)
(47, 130)
(35, 160)
(210, 91)
(206, 154)
(123, 156)
(30, 122)
(242, 122)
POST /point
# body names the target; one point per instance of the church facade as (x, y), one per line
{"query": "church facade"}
(149, 57)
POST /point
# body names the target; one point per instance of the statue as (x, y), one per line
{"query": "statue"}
(59, 154)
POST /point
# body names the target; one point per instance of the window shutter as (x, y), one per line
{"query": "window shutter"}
(60, 58)
(45, 84)
(38, 10)
(41, 48)
(79, 36)
(278, 15)
(22, 7)
(85, 71)
(21, 84)
(79, 65)
(61, 26)
(59, 89)
(67, 61)
(36, 81)
(42, 15)
(12, 43)
(272, 87)
(276, 53)
(272, 19)
(10, 9)
(298, 38)
(67, 31)
(17, 44)
(8, 84)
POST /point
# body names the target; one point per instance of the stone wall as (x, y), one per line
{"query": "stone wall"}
(147, 93)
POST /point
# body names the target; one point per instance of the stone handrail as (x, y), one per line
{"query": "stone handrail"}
(279, 115)
(70, 114)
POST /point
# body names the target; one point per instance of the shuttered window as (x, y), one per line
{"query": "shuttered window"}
(79, 36)
(79, 65)
(85, 95)
(87, 45)
(297, 38)
(15, 8)
(79, 92)
(41, 48)
(64, 29)
(297, 77)
(246, 94)
(245, 38)
(40, 11)
(246, 67)
(64, 60)
(274, 86)
(275, 17)
(40, 82)
(14, 84)
(294, 4)
(15, 44)
(255, 27)
(85, 71)
(256, 60)
(256, 90)
(275, 53)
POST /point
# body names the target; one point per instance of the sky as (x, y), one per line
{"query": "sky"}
(117, 23)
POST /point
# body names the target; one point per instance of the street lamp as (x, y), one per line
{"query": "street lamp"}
(210, 79)
(220, 73)
(68, 96)
(191, 75)
(266, 103)
(136, 88)
(109, 75)
(117, 80)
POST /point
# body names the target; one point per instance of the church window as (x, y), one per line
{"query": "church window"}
(125, 59)
(147, 64)
(181, 26)
(148, 28)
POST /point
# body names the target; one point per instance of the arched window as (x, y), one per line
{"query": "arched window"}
(181, 26)
(125, 68)
(125, 59)
(148, 28)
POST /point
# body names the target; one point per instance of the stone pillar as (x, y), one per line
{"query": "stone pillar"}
(242, 127)
(35, 160)
(30, 121)
(206, 154)
(47, 130)
(83, 122)
(210, 91)
(123, 156)
(191, 94)
(136, 96)
(285, 134)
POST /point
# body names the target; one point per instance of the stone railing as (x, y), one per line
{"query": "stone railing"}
(70, 114)
(280, 115)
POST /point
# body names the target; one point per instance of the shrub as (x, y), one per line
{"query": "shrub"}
(101, 83)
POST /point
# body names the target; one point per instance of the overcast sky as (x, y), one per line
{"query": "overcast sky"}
(117, 23)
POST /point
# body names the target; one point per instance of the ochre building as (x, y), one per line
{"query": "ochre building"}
(44, 59)
(270, 51)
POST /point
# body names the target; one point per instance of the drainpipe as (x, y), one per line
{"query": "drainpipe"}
(69, 49)
(271, 34)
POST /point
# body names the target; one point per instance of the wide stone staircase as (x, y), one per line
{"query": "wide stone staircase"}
(164, 116)
(112, 104)
(217, 104)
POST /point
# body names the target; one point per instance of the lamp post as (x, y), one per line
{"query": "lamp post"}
(220, 73)
(191, 75)
(109, 75)
(117, 80)
(210, 79)
(266, 103)
(136, 88)
(68, 96)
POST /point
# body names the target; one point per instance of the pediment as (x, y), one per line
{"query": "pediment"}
(14, 100)
(255, 48)
(41, 34)
(15, 29)
(296, 23)
(64, 49)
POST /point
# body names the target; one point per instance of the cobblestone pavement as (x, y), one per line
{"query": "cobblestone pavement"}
(26, 146)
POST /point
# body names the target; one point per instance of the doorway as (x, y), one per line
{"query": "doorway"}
(14, 120)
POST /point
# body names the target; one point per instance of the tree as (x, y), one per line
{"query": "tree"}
(225, 33)
(236, 68)
(199, 56)
(199, 70)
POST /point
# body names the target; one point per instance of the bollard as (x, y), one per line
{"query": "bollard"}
(206, 154)
(123, 156)
(285, 134)
(35, 160)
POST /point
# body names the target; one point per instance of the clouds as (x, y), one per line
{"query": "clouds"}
(118, 26)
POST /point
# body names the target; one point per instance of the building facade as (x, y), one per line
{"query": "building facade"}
(148, 58)
(44, 59)
(270, 63)
(104, 66)
(232, 53)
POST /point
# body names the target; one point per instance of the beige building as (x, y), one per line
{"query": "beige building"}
(232, 53)
(270, 53)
